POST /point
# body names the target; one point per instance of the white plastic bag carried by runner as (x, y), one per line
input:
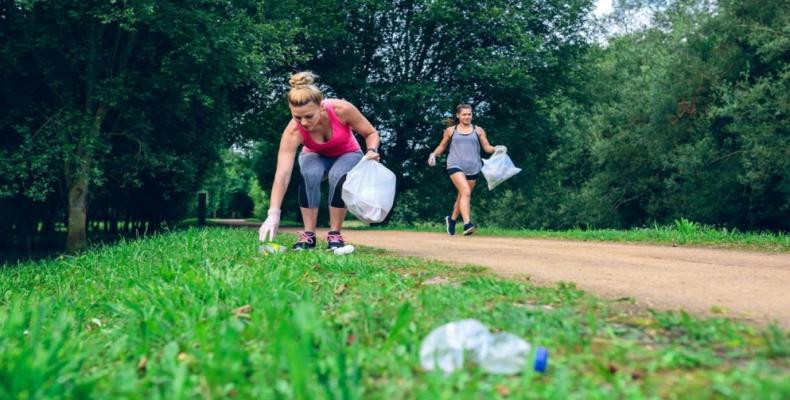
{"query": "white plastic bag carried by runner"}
(369, 191)
(498, 168)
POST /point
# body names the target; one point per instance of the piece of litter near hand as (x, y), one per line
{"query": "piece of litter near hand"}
(347, 249)
(270, 248)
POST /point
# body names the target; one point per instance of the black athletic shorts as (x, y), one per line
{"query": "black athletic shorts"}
(454, 170)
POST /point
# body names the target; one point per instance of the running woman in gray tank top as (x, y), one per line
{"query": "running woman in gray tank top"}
(463, 163)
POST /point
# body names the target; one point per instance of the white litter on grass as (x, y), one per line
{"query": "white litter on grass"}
(347, 249)
(499, 353)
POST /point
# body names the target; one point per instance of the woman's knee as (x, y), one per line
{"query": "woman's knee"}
(342, 166)
(335, 177)
(312, 177)
(310, 189)
(312, 168)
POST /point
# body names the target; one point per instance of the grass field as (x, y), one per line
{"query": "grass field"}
(199, 314)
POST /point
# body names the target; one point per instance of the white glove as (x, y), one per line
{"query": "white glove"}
(269, 227)
(500, 149)
(432, 160)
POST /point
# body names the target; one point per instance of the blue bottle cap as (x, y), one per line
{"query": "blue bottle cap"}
(541, 359)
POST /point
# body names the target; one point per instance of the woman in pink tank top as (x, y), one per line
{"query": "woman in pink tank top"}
(323, 127)
(340, 141)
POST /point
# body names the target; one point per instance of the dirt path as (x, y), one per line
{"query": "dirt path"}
(750, 285)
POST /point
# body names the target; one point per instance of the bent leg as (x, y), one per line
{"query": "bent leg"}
(312, 167)
(464, 194)
(337, 176)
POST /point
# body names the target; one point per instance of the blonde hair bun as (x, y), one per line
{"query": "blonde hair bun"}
(304, 78)
(303, 90)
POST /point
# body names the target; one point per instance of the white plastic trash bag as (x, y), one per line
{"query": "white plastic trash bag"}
(498, 168)
(369, 191)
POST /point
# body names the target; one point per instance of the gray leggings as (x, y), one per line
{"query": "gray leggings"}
(315, 168)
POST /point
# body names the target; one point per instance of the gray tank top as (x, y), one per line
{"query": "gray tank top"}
(465, 152)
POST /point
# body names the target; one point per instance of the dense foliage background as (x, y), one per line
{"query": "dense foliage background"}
(114, 114)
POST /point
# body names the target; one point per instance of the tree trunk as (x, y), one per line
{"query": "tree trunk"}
(78, 179)
(78, 214)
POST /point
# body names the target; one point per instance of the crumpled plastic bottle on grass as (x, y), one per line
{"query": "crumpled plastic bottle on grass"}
(499, 353)
(270, 248)
(341, 251)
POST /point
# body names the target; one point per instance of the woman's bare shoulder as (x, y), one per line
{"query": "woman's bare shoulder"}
(340, 106)
(291, 128)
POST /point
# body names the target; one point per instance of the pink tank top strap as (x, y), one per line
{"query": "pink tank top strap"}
(331, 112)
